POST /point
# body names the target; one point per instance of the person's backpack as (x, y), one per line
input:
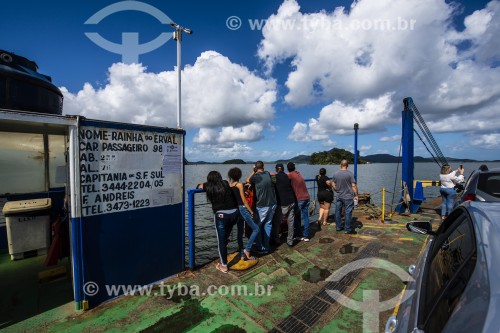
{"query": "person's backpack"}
(250, 196)
(459, 187)
(312, 208)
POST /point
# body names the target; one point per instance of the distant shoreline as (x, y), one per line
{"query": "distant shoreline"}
(369, 159)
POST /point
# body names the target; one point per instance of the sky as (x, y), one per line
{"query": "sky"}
(268, 79)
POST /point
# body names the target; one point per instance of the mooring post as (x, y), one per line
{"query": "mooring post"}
(383, 204)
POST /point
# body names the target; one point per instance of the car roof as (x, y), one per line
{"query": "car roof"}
(487, 220)
(492, 170)
(478, 171)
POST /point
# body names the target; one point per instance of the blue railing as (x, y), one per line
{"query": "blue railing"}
(191, 225)
(203, 212)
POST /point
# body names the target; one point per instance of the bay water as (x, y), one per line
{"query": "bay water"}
(371, 178)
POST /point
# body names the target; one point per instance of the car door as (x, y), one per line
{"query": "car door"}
(450, 264)
(469, 189)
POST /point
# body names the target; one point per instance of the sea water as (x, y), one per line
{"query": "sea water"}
(371, 178)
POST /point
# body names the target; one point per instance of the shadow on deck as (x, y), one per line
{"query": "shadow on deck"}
(289, 290)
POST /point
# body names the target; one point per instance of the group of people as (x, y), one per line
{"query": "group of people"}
(284, 196)
(279, 196)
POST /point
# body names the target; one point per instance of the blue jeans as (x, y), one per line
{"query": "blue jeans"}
(251, 223)
(302, 209)
(224, 222)
(265, 225)
(448, 196)
(349, 205)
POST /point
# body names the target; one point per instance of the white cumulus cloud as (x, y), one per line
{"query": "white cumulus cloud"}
(384, 51)
(339, 118)
(489, 141)
(252, 132)
(393, 138)
(225, 100)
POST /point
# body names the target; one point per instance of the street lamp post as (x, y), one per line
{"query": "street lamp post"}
(178, 37)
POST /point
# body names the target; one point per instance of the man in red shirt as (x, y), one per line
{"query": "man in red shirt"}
(303, 200)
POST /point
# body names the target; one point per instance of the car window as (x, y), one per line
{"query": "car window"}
(490, 183)
(450, 266)
(469, 180)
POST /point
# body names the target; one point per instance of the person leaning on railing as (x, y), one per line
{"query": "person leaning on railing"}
(266, 204)
(246, 211)
(303, 201)
(226, 215)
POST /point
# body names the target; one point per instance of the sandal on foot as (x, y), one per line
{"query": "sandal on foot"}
(248, 256)
(220, 268)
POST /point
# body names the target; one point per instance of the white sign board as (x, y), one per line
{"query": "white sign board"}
(123, 169)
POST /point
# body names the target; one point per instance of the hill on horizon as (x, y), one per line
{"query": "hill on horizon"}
(375, 158)
(387, 158)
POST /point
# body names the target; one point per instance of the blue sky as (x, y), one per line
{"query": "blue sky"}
(272, 79)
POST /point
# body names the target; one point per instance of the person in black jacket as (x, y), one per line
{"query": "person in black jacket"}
(325, 195)
(286, 200)
(226, 215)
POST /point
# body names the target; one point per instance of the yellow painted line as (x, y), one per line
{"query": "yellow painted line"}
(456, 238)
(405, 238)
(396, 309)
(423, 246)
(52, 273)
(426, 183)
(363, 236)
(385, 226)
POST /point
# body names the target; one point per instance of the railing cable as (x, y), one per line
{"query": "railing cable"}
(428, 135)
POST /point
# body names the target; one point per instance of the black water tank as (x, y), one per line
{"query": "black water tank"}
(23, 88)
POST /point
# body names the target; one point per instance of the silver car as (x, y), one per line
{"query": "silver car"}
(482, 185)
(456, 281)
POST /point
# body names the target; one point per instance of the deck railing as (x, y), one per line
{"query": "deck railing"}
(201, 239)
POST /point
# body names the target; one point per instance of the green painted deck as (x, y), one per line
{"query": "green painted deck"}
(286, 291)
(25, 294)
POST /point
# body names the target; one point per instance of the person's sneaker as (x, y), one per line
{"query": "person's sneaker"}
(339, 229)
(297, 238)
(305, 239)
(352, 232)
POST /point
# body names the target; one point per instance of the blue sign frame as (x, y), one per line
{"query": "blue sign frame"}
(119, 250)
